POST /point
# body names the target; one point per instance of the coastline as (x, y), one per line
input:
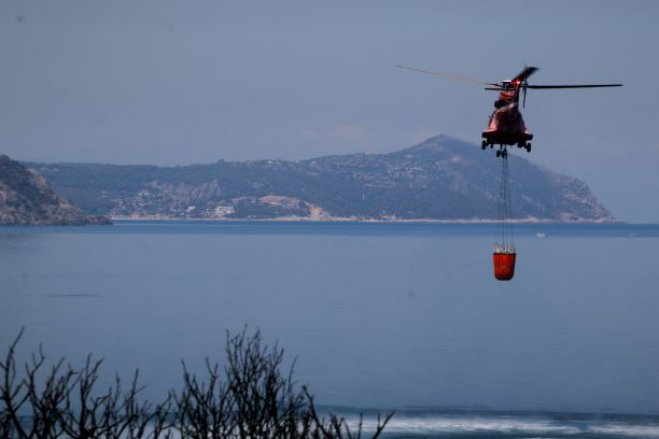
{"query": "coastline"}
(332, 219)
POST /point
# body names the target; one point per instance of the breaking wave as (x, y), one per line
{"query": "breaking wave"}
(408, 423)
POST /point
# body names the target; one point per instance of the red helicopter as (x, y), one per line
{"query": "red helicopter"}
(506, 125)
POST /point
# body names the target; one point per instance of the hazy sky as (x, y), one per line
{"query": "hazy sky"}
(179, 82)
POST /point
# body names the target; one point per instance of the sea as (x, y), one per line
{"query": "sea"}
(372, 316)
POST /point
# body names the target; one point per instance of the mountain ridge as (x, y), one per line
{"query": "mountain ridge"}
(440, 179)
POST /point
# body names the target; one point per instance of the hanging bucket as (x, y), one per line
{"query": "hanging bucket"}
(504, 265)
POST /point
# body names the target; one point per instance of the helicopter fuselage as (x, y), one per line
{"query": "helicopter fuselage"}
(506, 127)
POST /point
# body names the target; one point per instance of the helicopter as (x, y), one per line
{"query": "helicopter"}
(506, 125)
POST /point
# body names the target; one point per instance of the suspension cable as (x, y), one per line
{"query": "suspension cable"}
(507, 244)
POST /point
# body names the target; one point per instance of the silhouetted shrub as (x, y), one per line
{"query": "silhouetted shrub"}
(249, 397)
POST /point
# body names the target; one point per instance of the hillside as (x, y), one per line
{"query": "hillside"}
(27, 199)
(439, 179)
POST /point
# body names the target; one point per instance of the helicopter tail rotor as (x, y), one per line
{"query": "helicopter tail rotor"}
(523, 80)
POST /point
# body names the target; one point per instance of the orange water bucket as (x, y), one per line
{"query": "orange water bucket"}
(504, 265)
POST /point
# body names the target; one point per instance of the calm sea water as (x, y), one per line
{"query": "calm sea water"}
(404, 316)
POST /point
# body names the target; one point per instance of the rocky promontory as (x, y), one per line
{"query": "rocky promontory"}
(26, 198)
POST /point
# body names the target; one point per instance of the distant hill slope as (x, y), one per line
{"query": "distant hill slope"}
(27, 199)
(439, 179)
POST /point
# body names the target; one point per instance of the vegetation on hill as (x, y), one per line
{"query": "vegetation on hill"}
(439, 179)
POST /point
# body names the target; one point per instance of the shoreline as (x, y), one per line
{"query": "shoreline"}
(338, 220)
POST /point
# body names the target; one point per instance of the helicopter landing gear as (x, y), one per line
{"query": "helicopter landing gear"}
(484, 145)
(528, 147)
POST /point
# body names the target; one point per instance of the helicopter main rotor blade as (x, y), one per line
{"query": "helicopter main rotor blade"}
(524, 74)
(548, 87)
(448, 76)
